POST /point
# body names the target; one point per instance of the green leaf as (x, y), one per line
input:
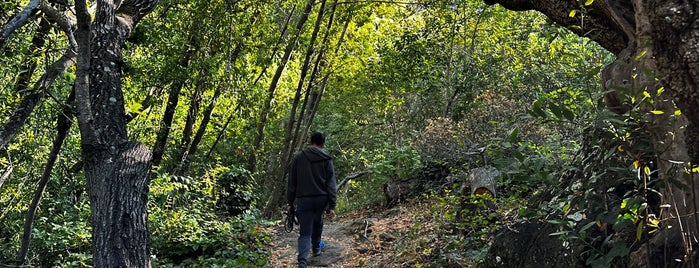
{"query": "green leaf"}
(587, 226)
(572, 13)
(559, 233)
(555, 110)
(640, 55)
(513, 135)
(518, 155)
(660, 90)
(537, 111)
(589, 2)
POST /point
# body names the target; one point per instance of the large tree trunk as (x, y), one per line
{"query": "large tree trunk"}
(659, 38)
(118, 188)
(117, 170)
(673, 50)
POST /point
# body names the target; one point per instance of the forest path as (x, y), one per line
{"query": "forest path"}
(337, 246)
(361, 238)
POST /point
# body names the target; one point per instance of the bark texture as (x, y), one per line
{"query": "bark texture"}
(118, 188)
(117, 170)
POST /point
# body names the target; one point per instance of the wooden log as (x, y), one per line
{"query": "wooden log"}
(483, 180)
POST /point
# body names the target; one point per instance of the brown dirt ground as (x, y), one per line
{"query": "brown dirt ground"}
(361, 238)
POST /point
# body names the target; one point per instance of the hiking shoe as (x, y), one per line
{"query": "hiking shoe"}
(319, 250)
(302, 265)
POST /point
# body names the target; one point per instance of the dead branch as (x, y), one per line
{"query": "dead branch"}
(351, 176)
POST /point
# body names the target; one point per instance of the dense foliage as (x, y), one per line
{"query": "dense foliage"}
(419, 92)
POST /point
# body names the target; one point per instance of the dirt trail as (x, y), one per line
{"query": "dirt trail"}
(362, 238)
(337, 249)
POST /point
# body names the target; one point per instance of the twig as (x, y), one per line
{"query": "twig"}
(6, 174)
(366, 228)
(366, 236)
(352, 176)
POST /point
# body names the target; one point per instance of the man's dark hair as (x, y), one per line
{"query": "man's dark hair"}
(318, 138)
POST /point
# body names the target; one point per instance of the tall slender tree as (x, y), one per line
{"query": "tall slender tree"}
(271, 92)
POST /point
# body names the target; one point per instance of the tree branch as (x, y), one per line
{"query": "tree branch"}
(5, 174)
(19, 20)
(29, 101)
(598, 22)
(62, 129)
(65, 22)
(351, 177)
(82, 73)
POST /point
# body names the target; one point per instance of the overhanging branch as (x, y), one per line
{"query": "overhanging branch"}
(605, 21)
(19, 20)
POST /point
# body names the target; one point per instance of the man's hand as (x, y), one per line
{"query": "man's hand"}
(331, 214)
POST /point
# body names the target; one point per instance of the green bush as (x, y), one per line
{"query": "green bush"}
(234, 192)
(187, 231)
(195, 239)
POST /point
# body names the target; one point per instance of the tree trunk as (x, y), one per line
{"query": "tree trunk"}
(188, 131)
(192, 113)
(658, 38)
(281, 170)
(232, 58)
(118, 187)
(172, 102)
(31, 100)
(675, 58)
(252, 162)
(483, 180)
(220, 135)
(273, 55)
(116, 169)
(63, 127)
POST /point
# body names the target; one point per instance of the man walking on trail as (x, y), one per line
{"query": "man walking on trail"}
(312, 182)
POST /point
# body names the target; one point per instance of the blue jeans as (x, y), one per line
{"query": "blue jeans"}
(309, 212)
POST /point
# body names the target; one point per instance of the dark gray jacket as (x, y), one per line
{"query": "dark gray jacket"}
(312, 174)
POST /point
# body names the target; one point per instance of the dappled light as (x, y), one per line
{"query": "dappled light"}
(496, 133)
